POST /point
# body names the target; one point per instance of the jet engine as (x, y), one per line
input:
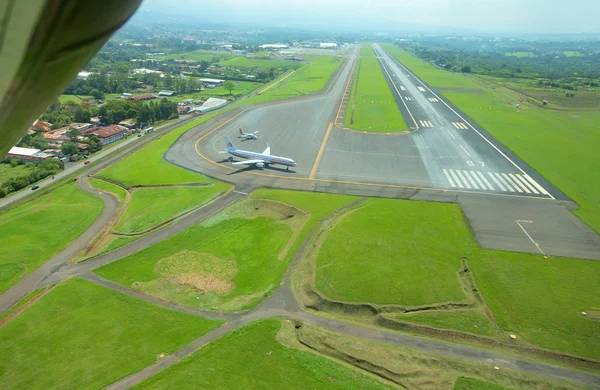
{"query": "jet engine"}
(260, 164)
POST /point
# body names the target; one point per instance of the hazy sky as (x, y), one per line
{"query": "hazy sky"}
(518, 16)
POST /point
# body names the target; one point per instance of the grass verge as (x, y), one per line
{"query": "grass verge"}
(464, 321)
(151, 206)
(38, 230)
(251, 358)
(82, 335)
(375, 107)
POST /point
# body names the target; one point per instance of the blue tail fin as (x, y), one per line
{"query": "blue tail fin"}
(229, 143)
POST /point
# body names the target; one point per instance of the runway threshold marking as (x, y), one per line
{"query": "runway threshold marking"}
(544, 191)
(313, 171)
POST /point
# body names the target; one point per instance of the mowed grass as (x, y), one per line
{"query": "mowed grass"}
(312, 77)
(316, 204)
(394, 252)
(83, 336)
(252, 63)
(562, 146)
(373, 103)
(197, 55)
(33, 233)
(147, 167)
(463, 383)
(464, 321)
(64, 99)
(429, 73)
(251, 358)
(254, 245)
(541, 300)
(520, 54)
(151, 206)
(105, 186)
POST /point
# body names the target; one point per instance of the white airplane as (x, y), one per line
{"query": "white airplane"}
(248, 135)
(257, 159)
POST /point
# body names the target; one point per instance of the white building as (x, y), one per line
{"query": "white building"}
(328, 45)
(274, 46)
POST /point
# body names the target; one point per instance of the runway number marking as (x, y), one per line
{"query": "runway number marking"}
(408, 98)
(402, 88)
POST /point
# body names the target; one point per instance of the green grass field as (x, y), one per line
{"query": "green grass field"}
(541, 300)
(264, 362)
(150, 206)
(520, 54)
(571, 53)
(366, 50)
(147, 167)
(83, 336)
(120, 192)
(560, 145)
(198, 55)
(465, 321)
(463, 383)
(33, 233)
(63, 99)
(316, 204)
(383, 253)
(8, 172)
(251, 63)
(238, 256)
(429, 73)
(243, 88)
(310, 78)
(374, 106)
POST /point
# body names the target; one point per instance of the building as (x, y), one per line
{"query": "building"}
(56, 137)
(83, 75)
(211, 83)
(111, 134)
(167, 93)
(147, 96)
(27, 154)
(209, 105)
(129, 123)
(126, 95)
(276, 46)
(41, 126)
(328, 45)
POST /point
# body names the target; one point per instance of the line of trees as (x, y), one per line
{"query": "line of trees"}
(39, 171)
(114, 111)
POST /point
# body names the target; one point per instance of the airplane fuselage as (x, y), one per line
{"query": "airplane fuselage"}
(268, 159)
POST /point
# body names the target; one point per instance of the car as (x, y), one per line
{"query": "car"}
(139, 135)
(86, 162)
(34, 188)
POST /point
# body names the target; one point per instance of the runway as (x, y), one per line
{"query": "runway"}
(442, 156)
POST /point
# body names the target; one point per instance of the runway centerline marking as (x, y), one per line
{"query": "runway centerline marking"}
(539, 248)
(313, 171)
(469, 124)
(465, 150)
(451, 135)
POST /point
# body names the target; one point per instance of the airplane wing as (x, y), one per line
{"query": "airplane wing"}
(255, 132)
(248, 162)
(267, 151)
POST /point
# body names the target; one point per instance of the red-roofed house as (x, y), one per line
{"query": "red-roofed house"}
(56, 137)
(111, 134)
(41, 126)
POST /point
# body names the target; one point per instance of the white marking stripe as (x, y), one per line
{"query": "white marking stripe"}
(463, 179)
(449, 178)
(465, 150)
(470, 180)
(421, 89)
(508, 179)
(463, 125)
(456, 178)
(538, 186)
(477, 180)
(407, 98)
(455, 125)
(496, 181)
(512, 176)
(487, 183)
(426, 123)
(451, 135)
(527, 184)
(402, 88)
(506, 182)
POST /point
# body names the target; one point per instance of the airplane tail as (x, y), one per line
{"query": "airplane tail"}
(241, 132)
(229, 143)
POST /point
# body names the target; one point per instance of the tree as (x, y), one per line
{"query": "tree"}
(230, 86)
(81, 115)
(466, 69)
(94, 143)
(96, 94)
(73, 134)
(69, 149)
(120, 90)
